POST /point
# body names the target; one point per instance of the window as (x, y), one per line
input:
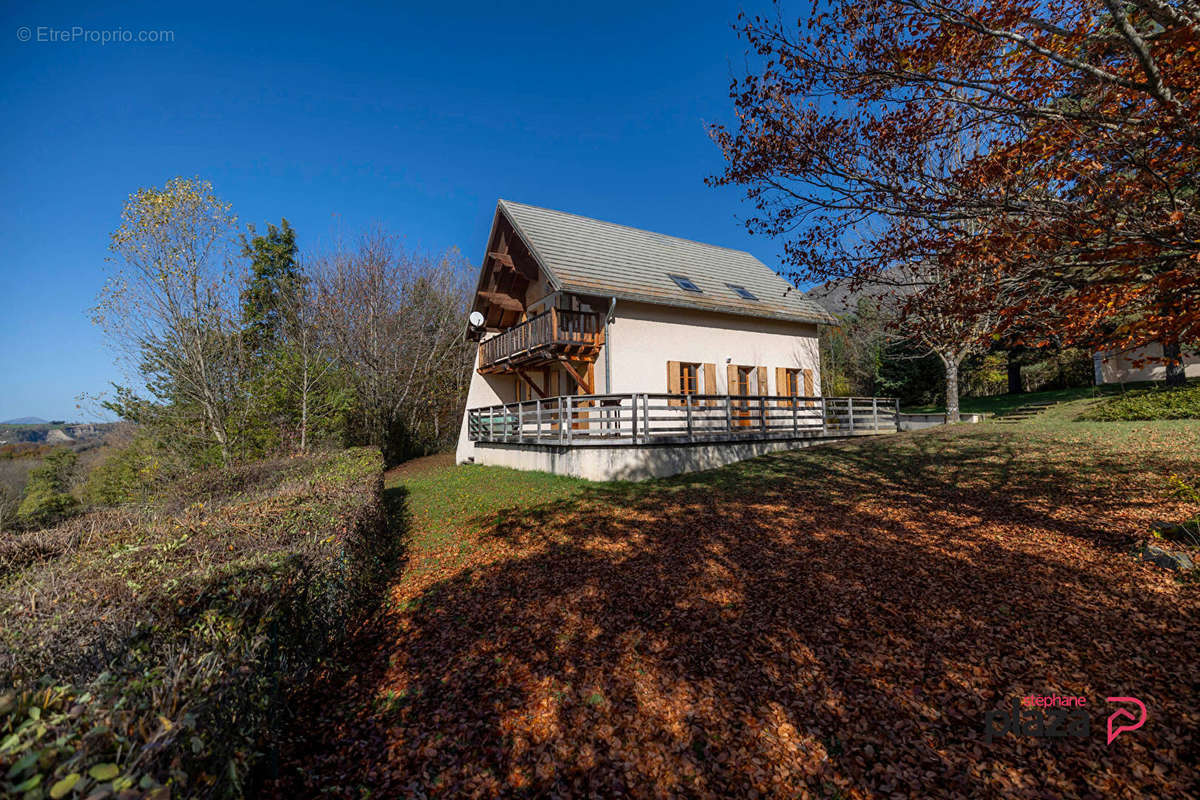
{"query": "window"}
(689, 378)
(745, 378)
(684, 283)
(791, 383)
(741, 291)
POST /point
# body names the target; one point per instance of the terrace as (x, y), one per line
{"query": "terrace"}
(647, 418)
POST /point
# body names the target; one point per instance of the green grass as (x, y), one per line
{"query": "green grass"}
(1004, 403)
(445, 503)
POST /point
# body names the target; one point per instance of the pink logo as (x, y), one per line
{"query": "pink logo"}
(1113, 728)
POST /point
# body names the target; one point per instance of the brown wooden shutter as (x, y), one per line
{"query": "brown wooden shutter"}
(808, 385)
(763, 388)
(673, 382)
(731, 374)
(781, 384)
(710, 381)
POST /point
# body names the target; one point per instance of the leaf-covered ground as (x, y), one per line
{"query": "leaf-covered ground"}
(833, 622)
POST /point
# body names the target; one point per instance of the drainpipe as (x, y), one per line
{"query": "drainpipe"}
(608, 348)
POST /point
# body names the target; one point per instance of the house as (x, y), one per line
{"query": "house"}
(611, 352)
(1132, 366)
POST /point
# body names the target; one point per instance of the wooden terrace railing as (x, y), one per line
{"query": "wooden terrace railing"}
(641, 418)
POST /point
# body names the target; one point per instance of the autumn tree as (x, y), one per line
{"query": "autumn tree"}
(170, 309)
(1077, 201)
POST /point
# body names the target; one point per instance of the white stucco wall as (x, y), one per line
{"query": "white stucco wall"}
(485, 390)
(1119, 368)
(645, 337)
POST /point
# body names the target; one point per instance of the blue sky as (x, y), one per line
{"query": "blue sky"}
(338, 119)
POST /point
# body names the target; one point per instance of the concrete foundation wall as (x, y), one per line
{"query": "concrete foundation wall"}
(917, 422)
(631, 462)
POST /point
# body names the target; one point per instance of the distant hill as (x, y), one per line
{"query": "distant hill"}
(26, 421)
(837, 298)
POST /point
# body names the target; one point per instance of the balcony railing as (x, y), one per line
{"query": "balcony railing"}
(640, 418)
(544, 335)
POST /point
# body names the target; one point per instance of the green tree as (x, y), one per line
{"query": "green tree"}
(46, 494)
(274, 275)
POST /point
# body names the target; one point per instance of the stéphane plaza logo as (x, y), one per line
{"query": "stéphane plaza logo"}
(1058, 716)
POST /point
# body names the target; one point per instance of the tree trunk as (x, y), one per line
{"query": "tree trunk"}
(951, 365)
(1175, 372)
(1014, 374)
(304, 401)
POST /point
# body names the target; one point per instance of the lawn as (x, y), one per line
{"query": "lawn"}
(1004, 403)
(831, 622)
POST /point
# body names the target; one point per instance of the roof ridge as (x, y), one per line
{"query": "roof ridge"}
(631, 228)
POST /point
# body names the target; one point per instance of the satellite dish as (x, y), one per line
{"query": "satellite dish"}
(476, 319)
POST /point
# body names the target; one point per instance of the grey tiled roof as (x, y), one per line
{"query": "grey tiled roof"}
(588, 256)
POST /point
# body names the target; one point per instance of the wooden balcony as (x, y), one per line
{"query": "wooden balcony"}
(553, 335)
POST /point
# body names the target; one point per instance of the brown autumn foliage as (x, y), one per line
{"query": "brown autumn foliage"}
(826, 623)
(1050, 149)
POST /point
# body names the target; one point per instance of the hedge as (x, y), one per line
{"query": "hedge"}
(1148, 404)
(151, 650)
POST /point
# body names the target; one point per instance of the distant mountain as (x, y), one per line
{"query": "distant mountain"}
(837, 298)
(25, 421)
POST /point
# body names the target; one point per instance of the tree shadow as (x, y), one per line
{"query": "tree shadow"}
(836, 626)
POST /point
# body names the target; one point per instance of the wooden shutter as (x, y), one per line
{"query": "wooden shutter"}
(673, 382)
(731, 374)
(710, 381)
(808, 385)
(762, 381)
(781, 384)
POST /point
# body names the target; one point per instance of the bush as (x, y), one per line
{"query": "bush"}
(127, 474)
(150, 649)
(1146, 404)
(46, 497)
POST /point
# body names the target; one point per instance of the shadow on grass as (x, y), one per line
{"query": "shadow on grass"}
(832, 623)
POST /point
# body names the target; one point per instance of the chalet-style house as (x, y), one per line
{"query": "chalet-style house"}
(611, 352)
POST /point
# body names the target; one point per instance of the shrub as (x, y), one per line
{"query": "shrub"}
(46, 497)
(150, 649)
(127, 474)
(1147, 404)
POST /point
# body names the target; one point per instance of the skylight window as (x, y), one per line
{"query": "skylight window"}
(741, 291)
(684, 283)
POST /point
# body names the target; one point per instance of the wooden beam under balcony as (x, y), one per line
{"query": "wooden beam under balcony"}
(503, 301)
